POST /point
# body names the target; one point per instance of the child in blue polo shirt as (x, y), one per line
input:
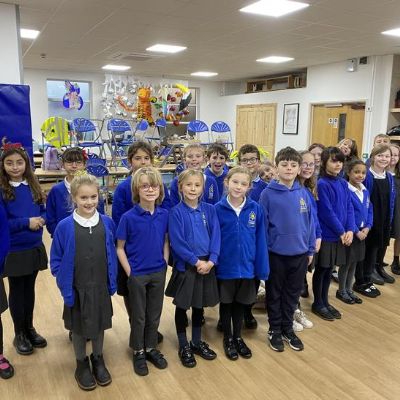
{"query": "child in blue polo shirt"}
(242, 221)
(291, 244)
(193, 158)
(59, 203)
(217, 155)
(23, 201)
(84, 261)
(195, 241)
(143, 251)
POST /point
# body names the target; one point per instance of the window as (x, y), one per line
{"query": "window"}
(56, 92)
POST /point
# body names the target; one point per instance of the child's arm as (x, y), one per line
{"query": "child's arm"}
(166, 249)
(215, 236)
(51, 217)
(261, 263)
(119, 205)
(123, 259)
(56, 252)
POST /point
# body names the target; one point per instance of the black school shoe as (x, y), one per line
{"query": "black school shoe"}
(100, 371)
(187, 357)
(250, 322)
(304, 292)
(293, 341)
(395, 267)
(35, 339)
(242, 348)
(334, 312)
(84, 376)
(230, 349)
(160, 337)
(203, 350)
(156, 358)
(22, 344)
(356, 299)
(139, 363)
(323, 313)
(276, 341)
(384, 275)
(345, 297)
(6, 373)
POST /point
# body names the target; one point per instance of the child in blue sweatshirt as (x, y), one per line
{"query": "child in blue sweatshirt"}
(59, 203)
(241, 221)
(217, 155)
(336, 217)
(291, 244)
(23, 201)
(143, 251)
(84, 261)
(193, 158)
(6, 369)
(355, 171)
(195, 239)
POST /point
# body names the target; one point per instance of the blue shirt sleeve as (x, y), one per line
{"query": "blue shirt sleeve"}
(350, 222)
(122, 230)
(215, 235)
(370, 216)
(51, 215)
(119, 205)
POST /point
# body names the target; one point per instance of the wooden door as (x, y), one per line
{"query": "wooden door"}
(255, 124)
(326, 131)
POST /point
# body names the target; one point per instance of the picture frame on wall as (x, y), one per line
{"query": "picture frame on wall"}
(291, 119)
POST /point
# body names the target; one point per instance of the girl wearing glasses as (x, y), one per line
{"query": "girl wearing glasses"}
(143, 252)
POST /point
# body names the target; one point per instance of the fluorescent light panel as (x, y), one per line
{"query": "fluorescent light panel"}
(112, 67)
(29, 33)
(166, 48)
(204, 73)
(274, 8)
(392, 32)
(275, 59)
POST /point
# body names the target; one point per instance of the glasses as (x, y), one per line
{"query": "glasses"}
(307, 165)
(77, 163)
(146, 187)
(248, 160)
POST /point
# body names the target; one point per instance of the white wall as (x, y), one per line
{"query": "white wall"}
(327, 83)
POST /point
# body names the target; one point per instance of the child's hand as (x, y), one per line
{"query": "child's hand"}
(201, 267)
(365, 231)
(348, 239)
(317, 245)
(42, 222)
(361, 235)
(35, 223)
(310, 258)
(342, 237)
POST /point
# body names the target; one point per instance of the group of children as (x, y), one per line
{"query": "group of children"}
(222, 230)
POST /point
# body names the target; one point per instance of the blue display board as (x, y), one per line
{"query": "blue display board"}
(15, 115)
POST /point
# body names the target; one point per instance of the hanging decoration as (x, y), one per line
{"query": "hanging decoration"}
(71, 99)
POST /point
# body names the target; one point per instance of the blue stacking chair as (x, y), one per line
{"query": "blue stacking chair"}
(221, 133)
(87, 135)
(195, 128)
(120, 136)
(140, 129)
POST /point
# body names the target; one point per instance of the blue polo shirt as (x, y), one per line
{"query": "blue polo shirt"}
(144, 234)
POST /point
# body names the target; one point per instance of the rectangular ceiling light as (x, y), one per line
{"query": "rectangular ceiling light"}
(275, 59)
(204, 73)
(112, 67)
(392, 32)
(29, 33)
(274, 8)
(166, 48)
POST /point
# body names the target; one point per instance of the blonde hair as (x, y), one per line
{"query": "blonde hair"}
(83, 178)
(154, 179)
(187, 173)
(193, 146)
(379, 149)
(238, 170)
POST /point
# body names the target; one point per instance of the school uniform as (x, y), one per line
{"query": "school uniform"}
(219, 179)
(257, 186)
(148, 269)
(4, 248)
(27, 254)
(395, 232)
(123, 202)
(210, 194)
(59, 205)
(290, 231)
(239, 265)
(194, 235)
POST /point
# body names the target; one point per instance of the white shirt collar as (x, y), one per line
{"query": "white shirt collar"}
(256, 179)
(359, 192)
(67, 185)
(87, 222)
(16, 184)
(377, 175)
(236, 209)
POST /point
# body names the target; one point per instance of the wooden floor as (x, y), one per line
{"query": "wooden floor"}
(357, 357)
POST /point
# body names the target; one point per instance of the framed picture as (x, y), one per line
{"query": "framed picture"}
(290, 119)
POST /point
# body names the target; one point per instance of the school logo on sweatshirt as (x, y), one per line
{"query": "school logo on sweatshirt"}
(252, 220)
(303, 205)
(211, 192)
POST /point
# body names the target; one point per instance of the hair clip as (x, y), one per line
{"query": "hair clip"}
(85, 155)
(10, 146)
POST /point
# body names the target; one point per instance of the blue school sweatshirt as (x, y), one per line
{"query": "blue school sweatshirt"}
(363, 211)
(62, 257)
(59, 206)
(144, 236)
(122, 199)
(18, 213)
(244, 252)
(210, 194)
(369, 184)
(219, 179)
(193, 233)
(258, 185)
(335, 209)
(288, 219)
(318, 232)
(4, 238)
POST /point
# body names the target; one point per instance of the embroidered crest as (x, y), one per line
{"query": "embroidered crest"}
(211, 192)
(252, 220)
(303, 205)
